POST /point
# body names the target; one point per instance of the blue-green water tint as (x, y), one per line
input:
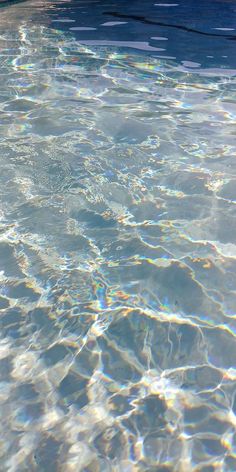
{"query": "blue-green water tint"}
(117, 251)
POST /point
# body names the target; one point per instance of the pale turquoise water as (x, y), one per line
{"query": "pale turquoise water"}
(117, 254)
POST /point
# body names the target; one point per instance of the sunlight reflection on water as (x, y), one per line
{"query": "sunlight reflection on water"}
(117, 291)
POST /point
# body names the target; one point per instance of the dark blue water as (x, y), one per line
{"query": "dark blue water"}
(117, 236)
(203, 31)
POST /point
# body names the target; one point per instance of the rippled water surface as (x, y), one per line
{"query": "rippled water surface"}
(118, 237)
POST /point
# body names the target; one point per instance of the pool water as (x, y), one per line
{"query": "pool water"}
(118, 236)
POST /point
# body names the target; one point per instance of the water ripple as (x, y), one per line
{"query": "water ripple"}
(117, 246)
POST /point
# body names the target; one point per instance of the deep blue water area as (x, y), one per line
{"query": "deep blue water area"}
(199, 31)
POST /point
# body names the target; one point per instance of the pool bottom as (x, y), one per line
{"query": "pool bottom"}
(118, 259)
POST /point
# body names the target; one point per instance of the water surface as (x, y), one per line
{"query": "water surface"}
(117, 250)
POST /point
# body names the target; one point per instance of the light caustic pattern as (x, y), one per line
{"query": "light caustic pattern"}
(118, 260)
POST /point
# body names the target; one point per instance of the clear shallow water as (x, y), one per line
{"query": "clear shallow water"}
(117, 252)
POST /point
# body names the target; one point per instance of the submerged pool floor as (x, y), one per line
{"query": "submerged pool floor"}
(117, 258)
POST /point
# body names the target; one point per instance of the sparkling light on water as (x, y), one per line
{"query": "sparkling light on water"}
(117, 282)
